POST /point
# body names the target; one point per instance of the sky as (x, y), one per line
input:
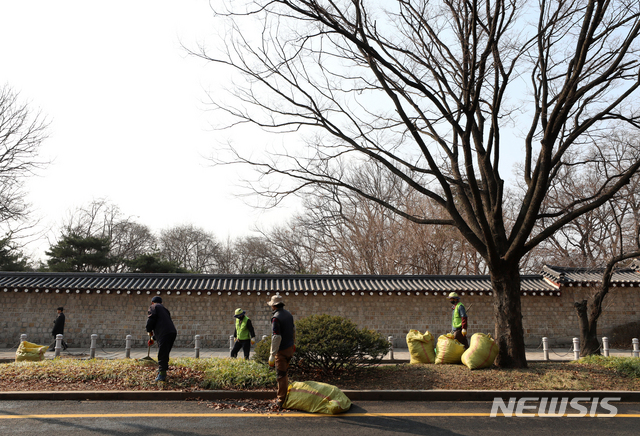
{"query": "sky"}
(127, 111)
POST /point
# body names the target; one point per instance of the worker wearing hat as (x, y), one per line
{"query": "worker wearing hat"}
(282, 345)
(458, 319)
(244, 335)
(160, 327)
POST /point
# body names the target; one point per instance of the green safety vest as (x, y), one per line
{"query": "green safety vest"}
(241, 329)
(456, 319)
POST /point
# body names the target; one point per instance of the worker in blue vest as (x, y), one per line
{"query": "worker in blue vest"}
(244, 335)
(458, 319)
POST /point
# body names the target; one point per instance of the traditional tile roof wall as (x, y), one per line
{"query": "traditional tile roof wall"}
(114, 305)
(305, 284)
(589, 277)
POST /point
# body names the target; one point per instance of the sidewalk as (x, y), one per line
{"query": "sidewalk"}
(400, 355)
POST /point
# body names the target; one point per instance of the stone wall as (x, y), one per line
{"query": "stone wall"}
(113, 316)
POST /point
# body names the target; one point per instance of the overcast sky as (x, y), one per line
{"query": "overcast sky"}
(127, 112)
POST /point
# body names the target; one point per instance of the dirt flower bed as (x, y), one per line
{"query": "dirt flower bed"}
(193, 375)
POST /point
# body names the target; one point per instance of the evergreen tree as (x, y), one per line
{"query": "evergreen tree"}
(10, 258)
(78, 253)
(154, 263)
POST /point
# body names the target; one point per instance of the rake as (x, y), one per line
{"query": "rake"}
(148, 352)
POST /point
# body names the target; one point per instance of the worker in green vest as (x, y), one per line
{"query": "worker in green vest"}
(458, 319)
(243, 334)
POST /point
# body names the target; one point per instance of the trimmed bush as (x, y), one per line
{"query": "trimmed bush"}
(330, 344)
(262, 351)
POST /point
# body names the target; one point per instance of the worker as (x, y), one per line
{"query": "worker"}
(161, 328)
(282, 345)
(458, 320)
(244, 335)
(58, 329)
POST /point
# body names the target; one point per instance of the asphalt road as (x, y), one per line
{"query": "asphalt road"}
(187, 418)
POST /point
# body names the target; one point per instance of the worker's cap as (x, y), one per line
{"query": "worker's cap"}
(453, 295)
(156, 299)
(275, 300)
(239, 313)
(60, 308)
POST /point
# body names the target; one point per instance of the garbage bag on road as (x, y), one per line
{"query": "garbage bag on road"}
(421, 347)
(449, 350)
(481, 353)
(28, 352)
(316, 397)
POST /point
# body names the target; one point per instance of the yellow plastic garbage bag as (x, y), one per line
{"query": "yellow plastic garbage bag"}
(421, 347)
(30, 352)
(316, 397)
(481, 353)
(449, 350)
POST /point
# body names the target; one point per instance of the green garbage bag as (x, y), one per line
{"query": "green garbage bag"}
(316, 397)
(30, 352)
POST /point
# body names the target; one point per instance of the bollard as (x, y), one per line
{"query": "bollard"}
(58, 345)
(605, 346)
(92, 350)
(576, 348)
(23, 337)
(197, 346)
(127, 348)
(390, 339)
(545, 348)
(231, 341)
(636, 347)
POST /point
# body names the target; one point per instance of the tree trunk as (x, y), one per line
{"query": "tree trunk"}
(588, 329)
(509, 333)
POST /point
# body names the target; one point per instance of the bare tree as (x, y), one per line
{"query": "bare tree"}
(253, 255)
(600, 240)
(190, 247)
(589, 310)
(356, 236)
(430, 90)
(227, 257)
(102, 219)
(22, 131)
(292, 249)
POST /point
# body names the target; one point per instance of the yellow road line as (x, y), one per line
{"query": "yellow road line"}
(283, 415)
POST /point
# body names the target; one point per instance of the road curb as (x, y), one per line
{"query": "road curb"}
(354, 395)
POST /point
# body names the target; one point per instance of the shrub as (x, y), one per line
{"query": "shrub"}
(237, 374)
(330, 344)
(629, 366)
(262, 351)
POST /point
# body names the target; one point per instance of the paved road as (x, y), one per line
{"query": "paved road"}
(74, 418)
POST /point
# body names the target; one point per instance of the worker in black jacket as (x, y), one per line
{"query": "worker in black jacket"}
(282, 345)
(58, 329)
(160, 327)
